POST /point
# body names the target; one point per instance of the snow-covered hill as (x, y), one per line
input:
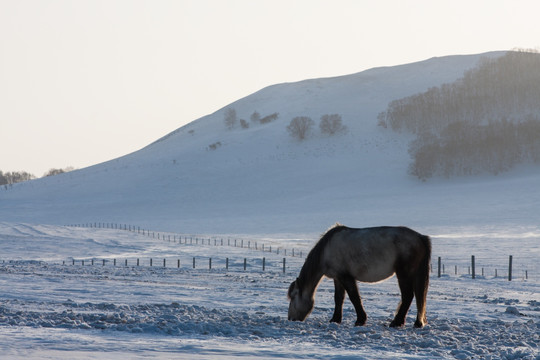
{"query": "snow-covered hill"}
(205, 178)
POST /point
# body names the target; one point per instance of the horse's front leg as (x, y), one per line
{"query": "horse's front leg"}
(339, 297)
(349, 283)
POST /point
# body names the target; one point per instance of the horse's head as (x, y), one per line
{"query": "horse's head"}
(301, 302)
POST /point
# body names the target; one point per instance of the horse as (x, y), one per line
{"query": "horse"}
(369, 255)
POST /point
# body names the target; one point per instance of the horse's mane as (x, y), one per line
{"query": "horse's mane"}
(312, 264)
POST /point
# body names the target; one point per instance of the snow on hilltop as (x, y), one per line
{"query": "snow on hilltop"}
(205, 177)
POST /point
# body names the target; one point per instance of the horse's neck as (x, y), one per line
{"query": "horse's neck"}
(311, 281)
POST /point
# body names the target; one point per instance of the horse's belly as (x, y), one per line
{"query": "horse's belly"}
(375, 273)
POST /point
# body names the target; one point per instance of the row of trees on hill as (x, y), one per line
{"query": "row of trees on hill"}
(497, 88)
(469, 149)
(487, 121)
(231, 119)
(13, 177)
(301, 127)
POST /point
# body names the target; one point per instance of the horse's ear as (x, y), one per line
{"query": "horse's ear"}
(291, 288)
(293, 285)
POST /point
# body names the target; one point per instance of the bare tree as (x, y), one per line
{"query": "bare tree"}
(53, 171)
(300, 127)
(331, 124)
(269, 118)
(244, 124)
(230, 118)
(255, 117)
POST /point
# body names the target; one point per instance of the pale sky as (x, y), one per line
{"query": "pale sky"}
(86, 81)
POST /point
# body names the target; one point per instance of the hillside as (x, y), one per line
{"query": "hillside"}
(206, 178)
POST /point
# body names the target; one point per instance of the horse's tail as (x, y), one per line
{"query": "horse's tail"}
(421, 282)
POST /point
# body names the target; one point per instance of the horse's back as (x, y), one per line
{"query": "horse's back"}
(371, 254)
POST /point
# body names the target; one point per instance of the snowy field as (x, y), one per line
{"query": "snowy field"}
(50, 308)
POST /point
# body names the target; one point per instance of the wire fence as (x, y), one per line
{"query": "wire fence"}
(483, 267)
(262, 264)
(199, 239)
(509, 267)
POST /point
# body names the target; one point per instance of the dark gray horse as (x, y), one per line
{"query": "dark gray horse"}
(369, 255)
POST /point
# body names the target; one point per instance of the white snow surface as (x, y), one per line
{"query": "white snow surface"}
(52, 309)
(259, 186)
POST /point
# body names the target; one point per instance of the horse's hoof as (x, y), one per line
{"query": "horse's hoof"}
(395, 324)
(419, 324)
(360, 323)
(337, 321)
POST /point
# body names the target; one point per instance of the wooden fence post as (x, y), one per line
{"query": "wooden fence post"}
(439, 268)
(472, 267)
(264, 263)
(284, 265)
(245, 264)
(510, 268)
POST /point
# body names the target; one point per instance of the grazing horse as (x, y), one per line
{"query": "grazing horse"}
(368, 255)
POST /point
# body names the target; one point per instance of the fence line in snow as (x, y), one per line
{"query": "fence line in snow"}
(196, 240)
(438, 269)
(507, 267)
(195, 262)
(495, 268)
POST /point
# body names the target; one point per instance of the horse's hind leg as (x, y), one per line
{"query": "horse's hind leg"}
(349, 283)
(339, 297)
(407, 294)
(420, 293)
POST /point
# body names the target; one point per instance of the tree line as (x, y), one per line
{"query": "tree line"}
(486, 122)
(13, 177)
(300, 127)
(231, 119)
(469, 149)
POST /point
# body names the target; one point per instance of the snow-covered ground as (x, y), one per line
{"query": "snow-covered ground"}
(50, 308)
